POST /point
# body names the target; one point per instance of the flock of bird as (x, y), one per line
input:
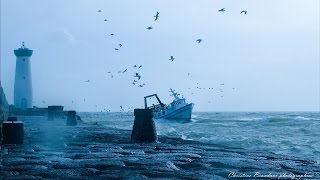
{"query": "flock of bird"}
(137, 75)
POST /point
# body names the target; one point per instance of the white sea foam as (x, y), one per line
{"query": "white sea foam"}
(249, 118)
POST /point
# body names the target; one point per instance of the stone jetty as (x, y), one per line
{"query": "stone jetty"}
(52, 150)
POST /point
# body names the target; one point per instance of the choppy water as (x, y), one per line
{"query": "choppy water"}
(289, 133)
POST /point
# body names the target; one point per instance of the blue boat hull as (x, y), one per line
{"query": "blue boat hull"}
(181, 113)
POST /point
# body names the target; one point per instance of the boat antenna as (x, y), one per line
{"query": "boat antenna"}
(175, 95)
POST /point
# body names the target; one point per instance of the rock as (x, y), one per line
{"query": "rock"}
(144, 129)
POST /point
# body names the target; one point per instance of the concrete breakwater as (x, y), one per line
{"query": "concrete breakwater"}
(4, 110)
(4, 107)
(90, 151)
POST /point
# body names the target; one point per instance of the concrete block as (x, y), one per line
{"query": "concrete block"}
(12, 132)
(144, 129)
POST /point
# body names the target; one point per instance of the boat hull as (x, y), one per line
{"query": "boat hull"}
(181, 113)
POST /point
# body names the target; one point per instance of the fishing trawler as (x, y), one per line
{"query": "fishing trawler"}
(177, 109)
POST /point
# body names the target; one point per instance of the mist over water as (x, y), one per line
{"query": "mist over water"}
(289, 133)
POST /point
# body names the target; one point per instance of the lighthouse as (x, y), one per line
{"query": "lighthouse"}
(23, 83)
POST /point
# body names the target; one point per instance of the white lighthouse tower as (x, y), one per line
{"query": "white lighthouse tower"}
(22, 83)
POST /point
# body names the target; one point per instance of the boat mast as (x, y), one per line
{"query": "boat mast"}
(175, 95)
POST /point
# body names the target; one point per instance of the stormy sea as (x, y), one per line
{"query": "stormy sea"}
(289, 133)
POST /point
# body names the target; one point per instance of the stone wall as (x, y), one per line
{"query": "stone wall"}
(4, 107)
(4, 111)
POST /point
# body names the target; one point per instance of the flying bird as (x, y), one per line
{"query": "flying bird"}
(156, 16)
(105, 20)
(120, 45)
(243, 11)
(138, 76)
(140, 67)
(43, 102)
(87, 81)
(199, 40)
(111, 76)
(99, 11)
(149, 28)
(222, 10)
(109, 72)
(135, 66)
(222, 84)
(171, 58)
(111, 34)
(116, 49)
(124, 71)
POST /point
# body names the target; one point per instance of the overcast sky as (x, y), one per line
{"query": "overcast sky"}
(270, 56)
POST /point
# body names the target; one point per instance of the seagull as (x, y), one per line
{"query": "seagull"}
(140, 85)
(244, 11)
(111, 34)
(140, 67)
(105, 20)
(156, 16)
(87, 81)
(171, 58)
(99, 11)
(116, 49)
(120, 45)
(149, 28)
(138, 76)
(124, 71)
(199, 40)
(135, 66)
(221, 10)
